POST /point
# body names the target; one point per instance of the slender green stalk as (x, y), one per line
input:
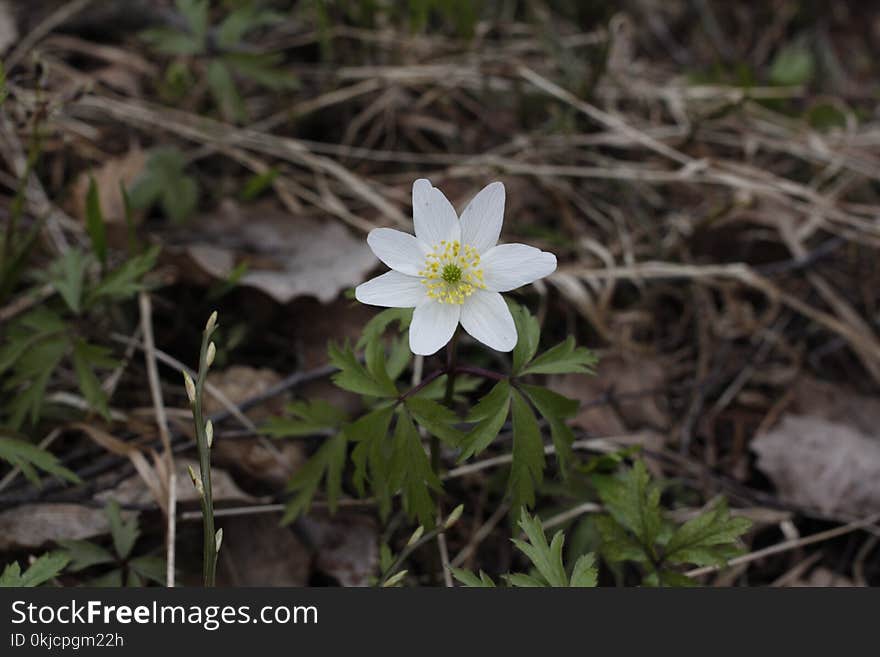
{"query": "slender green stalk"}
(204, 438)
(451, 360)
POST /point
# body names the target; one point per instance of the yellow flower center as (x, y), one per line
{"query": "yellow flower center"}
(452, 272)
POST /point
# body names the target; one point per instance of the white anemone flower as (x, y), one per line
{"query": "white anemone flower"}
(453, 271)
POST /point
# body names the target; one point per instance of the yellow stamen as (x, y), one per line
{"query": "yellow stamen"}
(452, 272)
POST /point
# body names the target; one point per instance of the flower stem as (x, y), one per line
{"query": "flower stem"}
(451, 358)
(204, 449)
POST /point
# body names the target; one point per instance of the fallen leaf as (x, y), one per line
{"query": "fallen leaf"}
(8, 26)
(34, 525)
(287, 256)
(346, 545)
(620, 375)
(31, 526)
(108, 177)
(822, 577)
(822, 464)
(257, 551)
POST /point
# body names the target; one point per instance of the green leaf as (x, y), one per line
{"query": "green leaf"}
(84, 554)
(547, 559)
(31, 376)
(196, 14)
(470, 580)
(259, 183)
(528, 336)
(794, 64)
(564, 358)
(368, 456)
(376, 327)
(85, 357)
(125, 281)
(489, 414)
(633, 500)
(708, 539)
(521, 580)
(21, 454)
(164, 181)
(150, 568)
(327, 463)
(95, 222)
(556, 408)
(266, 69)
(354, 377)
(171, 42)
(617, 543)
(411, 472)
(239, 22)
(310, 418)
(584, 574)
(40, 571)
(527, 468)
(67, 275)
(125, 532)
(225, 92)
(436, 419)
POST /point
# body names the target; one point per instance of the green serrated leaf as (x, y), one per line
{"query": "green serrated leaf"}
(528, 336)
(84, 554)
(149, 568)
(376, 327)
(547, 559)
(617, 543)
(67, 275)
(472, 581)
(85, 357)
(564, 358)
(633, 500)
(708, 539)
(310, 417)
(490, 414)
(125, 532)
(23, 455)
(355, 377)
(164, 181)
(584, 574)
(370, 458)
(40, 571)
(327, 463)
(555, 409)
(527, 468)
(125, 281)
(411, 472)
(436, 419)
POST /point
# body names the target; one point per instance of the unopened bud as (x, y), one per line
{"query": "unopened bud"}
(209, 432)
(454, 516)
(395, 579)
(416, 535)
(212, 322)
(218, 539)
(209, 356)
(196, 481)
(190, 387)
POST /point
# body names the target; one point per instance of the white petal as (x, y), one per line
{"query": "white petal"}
(507, 266)
(433, 214)
(482, 218)
(487, 318)
(400, 251)
(391, 290)
(433, 324)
